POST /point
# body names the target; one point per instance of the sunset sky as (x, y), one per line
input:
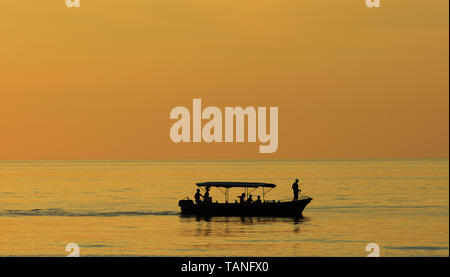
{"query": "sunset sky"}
(98, 82)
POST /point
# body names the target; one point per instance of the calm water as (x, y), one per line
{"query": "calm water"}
(130, 208)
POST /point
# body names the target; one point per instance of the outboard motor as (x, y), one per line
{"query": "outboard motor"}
(185, 202)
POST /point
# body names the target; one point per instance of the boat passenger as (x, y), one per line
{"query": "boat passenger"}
(242, 198)
(197, 196)
(295, 189)
(258, 200)
(206, 197)
(249, 199)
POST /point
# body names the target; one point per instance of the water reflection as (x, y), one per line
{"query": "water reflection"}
(237, 226)
(242, 219)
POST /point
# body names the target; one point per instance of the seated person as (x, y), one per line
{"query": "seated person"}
(206, 197)
(242, 198)
(249, 199)
(258, 200)
(197, 196)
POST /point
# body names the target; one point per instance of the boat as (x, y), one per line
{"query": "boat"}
(291, 208)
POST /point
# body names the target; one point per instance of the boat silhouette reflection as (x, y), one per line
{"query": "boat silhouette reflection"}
(226, 226)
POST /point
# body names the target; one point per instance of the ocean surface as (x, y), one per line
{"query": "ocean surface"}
(130, 208)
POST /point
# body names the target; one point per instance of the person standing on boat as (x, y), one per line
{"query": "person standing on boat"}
(295, 189)
(197, 196)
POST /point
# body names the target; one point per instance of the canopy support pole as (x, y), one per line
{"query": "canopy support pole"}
(264, 192)
(225, 193)
(253, 190)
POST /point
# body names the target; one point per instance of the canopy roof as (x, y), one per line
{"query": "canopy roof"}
(235, 185)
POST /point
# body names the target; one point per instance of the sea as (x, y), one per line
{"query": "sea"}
(130, 208)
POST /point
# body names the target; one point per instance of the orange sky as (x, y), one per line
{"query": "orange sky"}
(99, 82)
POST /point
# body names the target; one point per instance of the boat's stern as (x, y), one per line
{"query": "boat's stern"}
(186, 205)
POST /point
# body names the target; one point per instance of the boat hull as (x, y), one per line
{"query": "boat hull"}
(285, 209)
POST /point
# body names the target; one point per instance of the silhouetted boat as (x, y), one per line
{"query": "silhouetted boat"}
(264, 208)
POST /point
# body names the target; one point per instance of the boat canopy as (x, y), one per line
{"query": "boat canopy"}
(235, 185)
